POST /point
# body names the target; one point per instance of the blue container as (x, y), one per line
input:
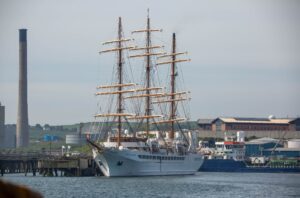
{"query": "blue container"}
(48, 138)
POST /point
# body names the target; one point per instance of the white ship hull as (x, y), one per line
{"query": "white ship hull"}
(113, 162)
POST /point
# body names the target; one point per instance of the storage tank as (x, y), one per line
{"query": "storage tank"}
(295, 143)
(74, 139)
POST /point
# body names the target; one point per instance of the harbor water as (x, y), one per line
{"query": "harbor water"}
(203, 184)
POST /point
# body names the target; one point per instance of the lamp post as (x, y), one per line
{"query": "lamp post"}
(68, 150)
(50, 144)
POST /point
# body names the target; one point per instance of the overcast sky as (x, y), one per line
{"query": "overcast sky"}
(245, 54)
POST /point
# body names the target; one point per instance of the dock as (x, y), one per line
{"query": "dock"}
(47, 165)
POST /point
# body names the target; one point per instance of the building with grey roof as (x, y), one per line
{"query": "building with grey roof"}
(205, 124)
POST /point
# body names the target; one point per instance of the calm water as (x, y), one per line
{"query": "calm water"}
(199, 185)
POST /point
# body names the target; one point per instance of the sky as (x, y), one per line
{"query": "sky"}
(245, 54)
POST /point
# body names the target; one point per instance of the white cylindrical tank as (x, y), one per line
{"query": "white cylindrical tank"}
(295, 143)
(74, 139)
(240, 136)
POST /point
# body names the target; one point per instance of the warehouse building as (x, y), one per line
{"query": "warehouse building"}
(258, 127)
(250, 124)
(295, 124)
(205, 124)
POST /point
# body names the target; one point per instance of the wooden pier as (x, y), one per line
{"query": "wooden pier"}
(67, 166)
(47, 165)
(18, 163)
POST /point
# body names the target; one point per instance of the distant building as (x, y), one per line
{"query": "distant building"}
(250, 124)
(259, 127)
(205, 124)
(271, 147)
(10, 135)
(295, 124)
(257, 147)
(2, 126)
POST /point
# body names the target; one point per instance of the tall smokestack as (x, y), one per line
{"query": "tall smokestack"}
(22, 120)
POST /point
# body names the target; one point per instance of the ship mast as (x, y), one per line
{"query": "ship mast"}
(120, 75)
(172, 97)
(173, 76)
(148, 70)
(120, 88)
(148, 53)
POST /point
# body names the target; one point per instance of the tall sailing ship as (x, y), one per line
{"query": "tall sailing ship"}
(140, 131)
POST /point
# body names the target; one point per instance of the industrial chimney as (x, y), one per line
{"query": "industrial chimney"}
(22, 120)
